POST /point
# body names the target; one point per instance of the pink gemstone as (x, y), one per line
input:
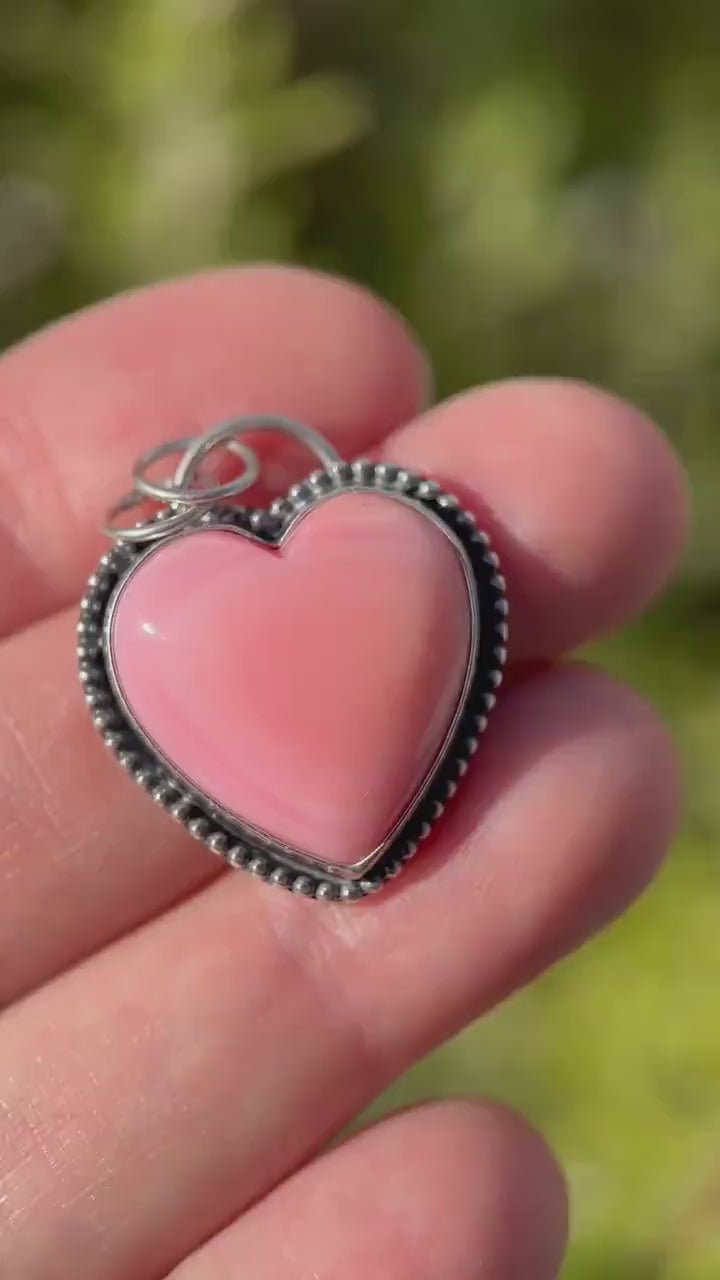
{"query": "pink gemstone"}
(306, 690)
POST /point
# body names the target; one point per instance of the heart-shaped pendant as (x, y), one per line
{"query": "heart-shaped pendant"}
(302, 686)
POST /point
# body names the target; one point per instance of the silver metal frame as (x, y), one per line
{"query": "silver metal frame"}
(239, 843)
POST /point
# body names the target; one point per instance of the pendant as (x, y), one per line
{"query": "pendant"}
(301, 685)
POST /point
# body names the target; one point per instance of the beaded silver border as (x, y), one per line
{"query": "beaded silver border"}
(267, 859)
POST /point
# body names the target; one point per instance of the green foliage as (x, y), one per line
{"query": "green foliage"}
(138, 138)
(536, 184)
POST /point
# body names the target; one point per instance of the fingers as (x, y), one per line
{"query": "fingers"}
(587, 508)
(450, 1191)
(81, 400)
(84, 854)
(583, 496)
(299, 1015)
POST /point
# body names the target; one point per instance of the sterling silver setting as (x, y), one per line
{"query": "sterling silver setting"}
(189, 506)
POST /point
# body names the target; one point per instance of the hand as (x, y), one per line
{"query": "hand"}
(178, 1043)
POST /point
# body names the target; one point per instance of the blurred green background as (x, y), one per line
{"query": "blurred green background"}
(536, 184)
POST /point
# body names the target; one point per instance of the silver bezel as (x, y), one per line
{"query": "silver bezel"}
(240, 844)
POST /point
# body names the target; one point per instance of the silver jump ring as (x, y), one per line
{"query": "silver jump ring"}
(144, 530)
(182, 502)
(194, 449)
(234, 427)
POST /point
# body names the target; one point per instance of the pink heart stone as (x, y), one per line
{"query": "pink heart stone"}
(305, 689)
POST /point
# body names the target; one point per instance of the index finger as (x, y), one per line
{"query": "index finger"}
(79, 401)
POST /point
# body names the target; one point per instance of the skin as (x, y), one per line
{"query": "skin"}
(177, 1044)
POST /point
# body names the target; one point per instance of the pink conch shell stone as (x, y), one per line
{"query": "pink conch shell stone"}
(305, 689)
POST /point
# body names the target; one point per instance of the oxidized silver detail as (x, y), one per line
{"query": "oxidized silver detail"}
(266, 859)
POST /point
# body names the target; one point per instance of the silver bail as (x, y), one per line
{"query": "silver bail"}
(181, 498)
